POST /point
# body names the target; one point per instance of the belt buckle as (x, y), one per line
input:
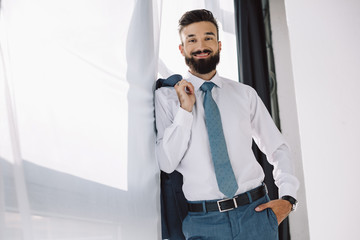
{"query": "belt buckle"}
(227, 199)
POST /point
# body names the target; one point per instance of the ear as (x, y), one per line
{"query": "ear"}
(181, 48)
(219, 44)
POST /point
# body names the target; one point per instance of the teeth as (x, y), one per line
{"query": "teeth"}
(202, 54)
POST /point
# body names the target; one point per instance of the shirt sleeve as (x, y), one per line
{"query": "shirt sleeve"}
(272, 143)
(173, 125)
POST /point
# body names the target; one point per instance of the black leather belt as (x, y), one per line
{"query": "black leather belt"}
(228, 204)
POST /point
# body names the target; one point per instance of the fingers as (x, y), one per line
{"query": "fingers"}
(190, 88)
(262, 207)
(184, 85)
(179, 83)
(186, 94)
(281, 208)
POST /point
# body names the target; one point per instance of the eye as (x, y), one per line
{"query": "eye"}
(208, 38)
(192, 40)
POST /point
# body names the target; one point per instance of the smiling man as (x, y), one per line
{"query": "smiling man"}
(206, 125)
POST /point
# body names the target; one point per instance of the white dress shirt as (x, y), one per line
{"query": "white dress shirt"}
(183, 144)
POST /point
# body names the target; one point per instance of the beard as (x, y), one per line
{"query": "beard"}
(203, 66)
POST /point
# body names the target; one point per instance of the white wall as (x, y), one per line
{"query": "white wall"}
(324, 48)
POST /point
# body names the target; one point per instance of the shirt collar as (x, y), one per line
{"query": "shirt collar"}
(197, 82)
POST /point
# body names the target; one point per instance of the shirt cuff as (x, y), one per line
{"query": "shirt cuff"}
(183, 118)
(288, 190)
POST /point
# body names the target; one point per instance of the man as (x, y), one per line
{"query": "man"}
(237, 207)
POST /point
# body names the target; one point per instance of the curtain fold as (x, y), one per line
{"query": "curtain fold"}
(253, 71)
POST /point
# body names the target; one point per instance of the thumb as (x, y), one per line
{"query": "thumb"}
(262, 207)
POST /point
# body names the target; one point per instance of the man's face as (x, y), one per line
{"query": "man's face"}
(200, 47)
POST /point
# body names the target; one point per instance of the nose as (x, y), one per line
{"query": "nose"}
(202, 45)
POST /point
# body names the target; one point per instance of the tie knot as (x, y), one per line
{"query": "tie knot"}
(207, 86)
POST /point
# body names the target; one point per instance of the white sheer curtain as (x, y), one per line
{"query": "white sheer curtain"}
(76, 113)
(77, 134)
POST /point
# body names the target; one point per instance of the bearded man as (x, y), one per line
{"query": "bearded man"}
(205, 127)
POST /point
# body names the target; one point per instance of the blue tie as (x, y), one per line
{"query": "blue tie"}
(224, 173)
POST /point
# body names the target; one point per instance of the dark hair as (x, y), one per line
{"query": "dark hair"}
(197, 16)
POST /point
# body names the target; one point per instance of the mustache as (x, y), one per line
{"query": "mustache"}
(199, 52)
